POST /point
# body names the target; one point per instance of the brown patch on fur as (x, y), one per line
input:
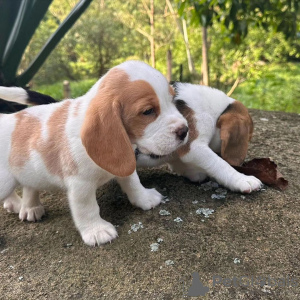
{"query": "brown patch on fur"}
(115, 119)
(24, 138)
(236, 129)
(55, 151)
(171, 91)
(188, 113)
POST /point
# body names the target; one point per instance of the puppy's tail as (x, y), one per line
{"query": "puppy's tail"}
(22, 96)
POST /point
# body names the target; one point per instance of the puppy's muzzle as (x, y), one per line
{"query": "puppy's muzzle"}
(182, 132)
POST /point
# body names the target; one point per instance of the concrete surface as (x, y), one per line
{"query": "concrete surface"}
(253, 235)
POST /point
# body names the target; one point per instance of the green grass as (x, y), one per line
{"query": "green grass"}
(78, 88)
(278, 88)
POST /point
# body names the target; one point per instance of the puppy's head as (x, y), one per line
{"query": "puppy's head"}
(133, 105)
(236, 129)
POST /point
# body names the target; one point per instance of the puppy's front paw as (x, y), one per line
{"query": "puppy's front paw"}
(148, 199)
(248, 184)
(99, 233)
(31, 214)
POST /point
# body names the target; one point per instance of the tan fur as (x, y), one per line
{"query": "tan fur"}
(54, 150)
(171, 91)
(115, 119)
(23, 139)
(76, 109)
(188, 113)
(236, 129)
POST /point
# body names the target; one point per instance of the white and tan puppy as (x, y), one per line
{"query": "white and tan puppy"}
(78, 145)
(217, 125)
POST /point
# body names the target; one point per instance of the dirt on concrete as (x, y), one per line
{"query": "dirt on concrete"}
(246, 235)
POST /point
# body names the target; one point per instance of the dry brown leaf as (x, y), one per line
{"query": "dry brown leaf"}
(265, 170)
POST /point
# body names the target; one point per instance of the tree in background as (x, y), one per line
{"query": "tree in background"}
(237, 16)
(111, 32)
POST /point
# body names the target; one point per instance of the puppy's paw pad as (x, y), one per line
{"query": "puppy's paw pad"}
(149, 199)
(249, 184)
(12, 205)
(99, 234)
(31, 214)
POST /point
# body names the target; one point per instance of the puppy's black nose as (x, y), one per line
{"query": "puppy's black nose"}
(182, 132)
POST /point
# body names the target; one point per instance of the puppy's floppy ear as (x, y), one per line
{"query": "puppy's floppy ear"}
(236, 129)
(105, 138)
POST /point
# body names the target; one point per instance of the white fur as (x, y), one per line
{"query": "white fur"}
(81, 188)
(202, 161)
(14, 94)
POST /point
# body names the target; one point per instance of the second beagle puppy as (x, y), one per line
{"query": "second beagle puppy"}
(218, 125)
(78, 145)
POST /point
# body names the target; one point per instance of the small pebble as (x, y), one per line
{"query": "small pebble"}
(178, 219)
(160, 240)
(169, 262)
(154, 247)
(237, 261)
(218, 196)
(195, 202)
(207, 186)
(264, 119)
(205, 211)
(165, 200)
(164, 212)
(266, 289)
(135, 227)
(21, 278)
(221, 191)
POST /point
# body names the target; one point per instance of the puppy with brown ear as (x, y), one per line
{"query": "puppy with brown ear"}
(78, 145)
(218, 124)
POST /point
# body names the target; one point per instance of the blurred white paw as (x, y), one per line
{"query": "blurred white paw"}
(31, 214)
(196, 177)
(13, 203)
(247, 184)
(99, 233)
(148, 199)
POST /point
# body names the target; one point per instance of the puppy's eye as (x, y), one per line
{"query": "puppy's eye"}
(149, 111)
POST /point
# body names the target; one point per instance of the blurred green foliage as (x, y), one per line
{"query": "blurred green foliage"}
(113, 31)
(276, 88)
(78, 88)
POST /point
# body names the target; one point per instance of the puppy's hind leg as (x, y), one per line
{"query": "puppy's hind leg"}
(31, 208)
(12, 203)
(7, 193)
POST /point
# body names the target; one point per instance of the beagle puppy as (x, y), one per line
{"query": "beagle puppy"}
(220, 130)
(78, 145)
